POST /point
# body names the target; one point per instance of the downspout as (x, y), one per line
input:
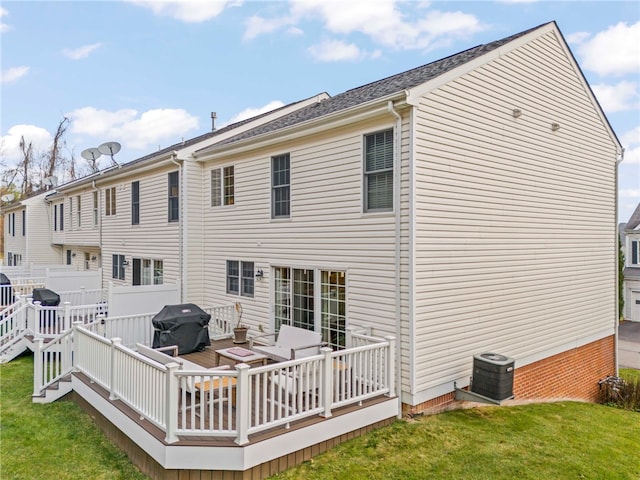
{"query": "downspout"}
(181, 183)
(94, 188)
(397, 162)
(619, 159)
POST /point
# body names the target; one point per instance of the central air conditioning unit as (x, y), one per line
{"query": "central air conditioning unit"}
(493, 376)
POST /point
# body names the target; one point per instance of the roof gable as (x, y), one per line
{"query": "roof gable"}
(634, 221)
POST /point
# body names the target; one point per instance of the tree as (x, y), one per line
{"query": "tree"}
(620, 279)
(35, 170)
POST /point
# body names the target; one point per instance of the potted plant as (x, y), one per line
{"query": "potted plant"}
(239, 331)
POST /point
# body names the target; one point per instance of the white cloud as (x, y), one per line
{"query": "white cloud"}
(385, 24)
(615, 51)
(628, 193)
(10, 143)
(619, 97)
(194, 11)
(252, 112)
(81, 52)
(577, 38)
(130, 128)
(13, 74)
(3, 26)
(631, 142)
(335, 51)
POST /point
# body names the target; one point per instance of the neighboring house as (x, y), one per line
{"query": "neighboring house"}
(128, 219)
(465, 206)
(631, 249)
(27, 237)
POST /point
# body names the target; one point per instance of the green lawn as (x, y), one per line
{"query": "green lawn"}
(557, 441)
(56, 441)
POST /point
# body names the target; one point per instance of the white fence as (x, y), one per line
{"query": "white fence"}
(200, 403)
(139, 328)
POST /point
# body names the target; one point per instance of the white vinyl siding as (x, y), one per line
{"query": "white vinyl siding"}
(153, 238)
(515, 230)
(329, 231)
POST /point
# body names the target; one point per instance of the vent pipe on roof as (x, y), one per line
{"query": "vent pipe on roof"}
(213, 121)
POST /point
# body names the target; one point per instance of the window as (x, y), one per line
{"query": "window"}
(635, 252)
(87, 260)
(95, 209)
(12, 224)
(61, 218)
(378, 171)
(223, 186)
(24, 222)
(55, 217)
(118, 267)
(298, 293)
(71, 213)
(69, 257)
(280, 186)
(147, 271)
(174, 201)
(110, 201)
(240, 279)
(135, 203)
(79, 211)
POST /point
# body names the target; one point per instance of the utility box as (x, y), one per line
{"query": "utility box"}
(493, 376)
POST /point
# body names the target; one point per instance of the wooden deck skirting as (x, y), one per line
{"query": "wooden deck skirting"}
(346, 422)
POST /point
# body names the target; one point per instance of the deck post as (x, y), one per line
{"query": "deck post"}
(38, 318)
(22, 317)
(171, 401)
(37, 365)
(243, 407)
(67, 316)
(327, 381)
(112, 368)
(391, 365)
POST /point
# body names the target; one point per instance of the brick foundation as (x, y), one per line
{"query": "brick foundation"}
(573, 374)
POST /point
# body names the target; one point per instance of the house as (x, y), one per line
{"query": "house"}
(26, 232)
(464, 206)
(128, 219)
(631, 249)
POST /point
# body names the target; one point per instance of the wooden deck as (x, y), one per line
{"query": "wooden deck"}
(207, 358)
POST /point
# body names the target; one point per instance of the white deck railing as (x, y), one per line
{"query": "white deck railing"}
(201, 403)
(49, 322)
(19, 286)
(52, 361)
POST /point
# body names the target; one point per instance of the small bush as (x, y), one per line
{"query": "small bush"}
(620, 392)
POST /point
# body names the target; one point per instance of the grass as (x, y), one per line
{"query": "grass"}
(565, 440)
(51, 441)
(630, 375)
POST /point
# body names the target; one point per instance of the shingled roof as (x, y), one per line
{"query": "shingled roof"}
(372, 91)
(634, 221)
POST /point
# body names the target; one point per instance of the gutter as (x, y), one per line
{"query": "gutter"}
(397, 153)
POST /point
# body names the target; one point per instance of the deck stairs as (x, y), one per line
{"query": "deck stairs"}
(54, 392)
(13, 331)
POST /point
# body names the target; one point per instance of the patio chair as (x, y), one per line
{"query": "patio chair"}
(291, 343)
(298, 387)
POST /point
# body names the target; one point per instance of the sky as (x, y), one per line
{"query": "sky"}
(148, 74)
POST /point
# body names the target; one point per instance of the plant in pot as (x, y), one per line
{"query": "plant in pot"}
(240, 330)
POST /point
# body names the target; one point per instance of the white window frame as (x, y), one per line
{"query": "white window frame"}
(278, 187)
(118, 267)
(386, 170)
(110, 202)
(241, 283)
(223, 186)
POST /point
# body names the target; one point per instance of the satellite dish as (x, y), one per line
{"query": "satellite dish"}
(109, 148)
(8, 197)
(91, 154)
(53, 181)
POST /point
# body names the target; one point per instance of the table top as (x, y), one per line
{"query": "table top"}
(240, 354)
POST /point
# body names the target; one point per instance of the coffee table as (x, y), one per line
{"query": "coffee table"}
(240, 355)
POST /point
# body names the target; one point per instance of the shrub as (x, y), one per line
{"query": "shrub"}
(620, 392)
